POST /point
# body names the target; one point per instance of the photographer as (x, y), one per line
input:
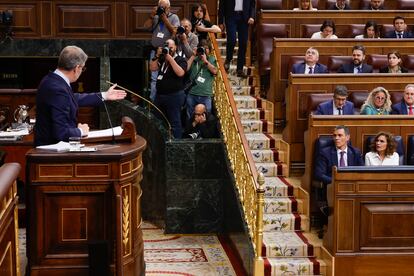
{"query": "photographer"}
(170, 84)
(202, 124)
(202, 67)
(162, 24)
(185, 39)
(201, 26)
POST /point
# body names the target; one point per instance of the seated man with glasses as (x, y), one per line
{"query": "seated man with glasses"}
(201, 124)
(56, 104)
(338, 105)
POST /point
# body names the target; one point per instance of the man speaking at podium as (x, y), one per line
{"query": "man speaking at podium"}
(56, 104)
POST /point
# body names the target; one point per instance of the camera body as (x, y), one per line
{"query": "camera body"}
(165, 49)
(180, 30)
(201, 51)
(160, 10)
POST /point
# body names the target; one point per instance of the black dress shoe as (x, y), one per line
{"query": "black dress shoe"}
(323, 206)
(241, 74)
(227, 65)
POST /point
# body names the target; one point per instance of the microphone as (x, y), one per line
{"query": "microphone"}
(109, 118)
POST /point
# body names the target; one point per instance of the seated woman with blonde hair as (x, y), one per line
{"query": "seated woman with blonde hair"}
(382, 151)
(305, 5)
(377, 103)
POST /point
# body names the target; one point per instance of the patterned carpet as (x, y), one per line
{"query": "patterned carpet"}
(187, 255)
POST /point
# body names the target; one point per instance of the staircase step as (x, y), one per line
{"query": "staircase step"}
(285, 222)
(222, 48)
(283, 205)
(257, 126)
(294, 266)
(243, 90)
(269, 168)
(276, 187)
(286, 244)
(266, 155)
(260, 141)
(251, 113)
(245, 102)
(238, 81)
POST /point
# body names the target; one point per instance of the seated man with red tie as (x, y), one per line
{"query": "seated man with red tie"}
(338, 105)
(406, 106)
(339, 154)
(310, 65)
(357, 65)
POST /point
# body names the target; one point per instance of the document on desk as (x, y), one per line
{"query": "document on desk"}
(59, 147)
(105, 132)
(21, 132)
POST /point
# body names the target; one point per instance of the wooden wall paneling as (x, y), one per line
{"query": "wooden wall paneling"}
(26, 17)
(137, 15)
(85, 20)
(120, 19)
(46, 19)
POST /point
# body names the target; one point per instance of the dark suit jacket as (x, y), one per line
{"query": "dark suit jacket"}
(299, 68)
(57, 110)
(326, 108)
(370, 9)
(392, 34)
(226, 9)
(399, 108)
(334, 7)
(349, 68)
(385, 70)
(328, 158)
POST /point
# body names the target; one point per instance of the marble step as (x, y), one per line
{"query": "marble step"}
(260, 141)
(286, 244)
(277, 187)
(246, 102)
(283, 205)
(257, 126)
(238, 81)
(294, 266)
(223, 53)
(269, 169)
(266, 155)
(285, 222)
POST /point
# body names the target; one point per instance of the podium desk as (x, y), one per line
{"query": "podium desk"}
(76, 200)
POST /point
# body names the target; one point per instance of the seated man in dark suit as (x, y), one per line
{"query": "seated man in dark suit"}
(56, 104)
(201, 124)
(406, 106)
(357, 66)
(340, 5)
(400, 29)
(340, 154)
(311, 65)
(375, 5)
(338, 105)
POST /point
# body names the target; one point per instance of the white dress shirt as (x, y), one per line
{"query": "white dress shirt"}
(239, 5)
(373, 159)
(338, 154)
(318, 35)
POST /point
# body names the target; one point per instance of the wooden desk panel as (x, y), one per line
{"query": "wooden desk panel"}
(300, 86)
(372, 222)
(74, 199)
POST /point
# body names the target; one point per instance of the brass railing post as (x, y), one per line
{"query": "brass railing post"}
(258, 262)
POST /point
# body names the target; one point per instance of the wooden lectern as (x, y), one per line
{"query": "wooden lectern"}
(76, 200)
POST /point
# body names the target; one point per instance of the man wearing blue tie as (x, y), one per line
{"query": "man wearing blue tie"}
(357, 66)
(338, 105)
(400, 29)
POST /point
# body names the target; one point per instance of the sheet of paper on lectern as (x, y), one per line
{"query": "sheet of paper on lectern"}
(59, 147)
(21, 132)
(105, 132)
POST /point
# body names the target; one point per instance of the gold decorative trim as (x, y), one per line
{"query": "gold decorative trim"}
(16, 233)
(8, 250)
(86, 223)
(126, 220)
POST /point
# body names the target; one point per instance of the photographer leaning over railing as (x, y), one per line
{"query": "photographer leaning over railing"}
(163, 25)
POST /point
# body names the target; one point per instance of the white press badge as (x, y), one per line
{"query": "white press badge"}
(160, 77)
(160, 35)
(201, 79)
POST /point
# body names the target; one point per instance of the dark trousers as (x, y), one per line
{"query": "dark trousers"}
(170, 105)
(236, 24)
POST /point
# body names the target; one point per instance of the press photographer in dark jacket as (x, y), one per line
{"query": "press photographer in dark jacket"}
(201, 124)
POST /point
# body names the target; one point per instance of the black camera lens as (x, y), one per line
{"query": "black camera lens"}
(201, 51)
(180, 30)
(165, 49)
(160, 10)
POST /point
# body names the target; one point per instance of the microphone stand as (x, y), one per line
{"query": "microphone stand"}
(149, 102)
(109, 119)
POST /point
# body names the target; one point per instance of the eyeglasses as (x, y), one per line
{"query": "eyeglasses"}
(380, 98)
(83, 69)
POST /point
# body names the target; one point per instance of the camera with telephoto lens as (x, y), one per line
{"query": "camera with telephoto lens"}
(160, 10)
(165, 49)
(180, 30)
(201, 51)
(194, 135)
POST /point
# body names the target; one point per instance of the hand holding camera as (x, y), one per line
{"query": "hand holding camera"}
(181, 33)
